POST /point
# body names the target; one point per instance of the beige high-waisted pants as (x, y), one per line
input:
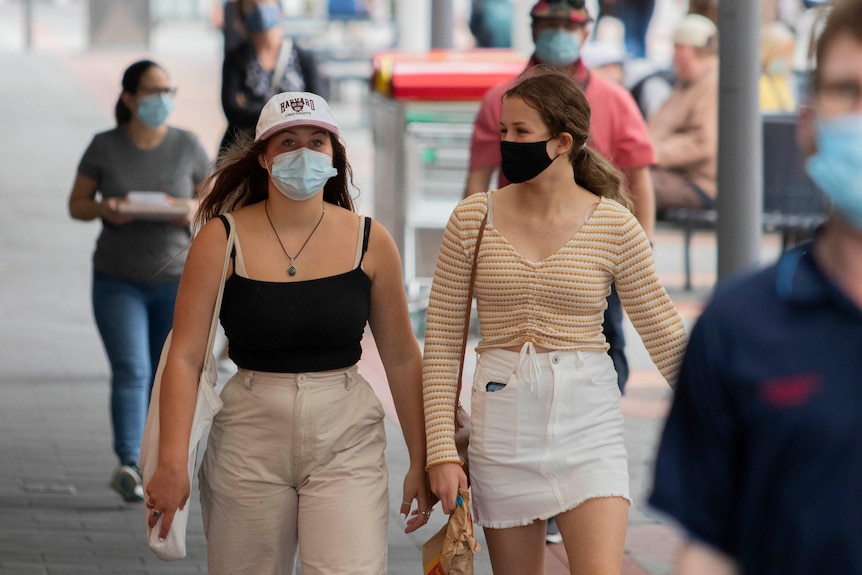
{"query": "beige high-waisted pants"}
(296, 459)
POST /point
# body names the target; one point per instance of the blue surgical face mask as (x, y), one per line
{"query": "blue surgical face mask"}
(778, 67)
(154, 110)
(263, 18)
(558, 47)
(836, 168)
(301, 173)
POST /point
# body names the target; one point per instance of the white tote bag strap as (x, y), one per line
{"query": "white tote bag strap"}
(214, 322)
(207, 404)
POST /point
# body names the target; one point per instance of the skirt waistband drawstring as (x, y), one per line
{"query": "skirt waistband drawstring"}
(529, 369)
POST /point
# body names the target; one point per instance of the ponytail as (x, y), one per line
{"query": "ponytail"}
(594, 173)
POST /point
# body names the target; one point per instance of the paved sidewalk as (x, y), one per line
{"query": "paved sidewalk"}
(57, 513)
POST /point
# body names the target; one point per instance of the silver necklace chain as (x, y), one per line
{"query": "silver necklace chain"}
(291, 271)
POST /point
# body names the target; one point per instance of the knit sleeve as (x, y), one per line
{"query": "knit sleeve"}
(647, 303)
(444, 328)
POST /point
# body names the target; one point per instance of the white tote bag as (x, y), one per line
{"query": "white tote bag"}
(208, 404)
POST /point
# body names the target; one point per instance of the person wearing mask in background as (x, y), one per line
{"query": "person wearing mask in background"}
(776, 79)
(684, 131)
(617, 131)
(295, 458)
(547, 430)
(138, 261)
(761, 456)
(265, 64)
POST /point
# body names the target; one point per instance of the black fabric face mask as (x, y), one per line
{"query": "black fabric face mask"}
(524, 161)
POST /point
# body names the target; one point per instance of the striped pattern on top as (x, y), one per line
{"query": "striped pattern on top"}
(557, 303)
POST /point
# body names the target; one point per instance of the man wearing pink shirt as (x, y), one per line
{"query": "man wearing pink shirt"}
(560, 28)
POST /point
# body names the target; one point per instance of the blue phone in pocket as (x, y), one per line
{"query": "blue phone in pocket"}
(494, 386)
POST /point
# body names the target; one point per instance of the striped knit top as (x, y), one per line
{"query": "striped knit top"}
(557, 303)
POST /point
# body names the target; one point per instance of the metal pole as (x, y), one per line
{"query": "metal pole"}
(28, 24)
(442, 23)
(740, 142)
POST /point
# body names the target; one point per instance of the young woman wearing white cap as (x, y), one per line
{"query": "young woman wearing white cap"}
(295, 457)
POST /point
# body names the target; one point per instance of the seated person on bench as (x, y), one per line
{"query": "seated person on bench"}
(684, 131)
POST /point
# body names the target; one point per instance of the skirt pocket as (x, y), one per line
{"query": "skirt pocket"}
(494, 414)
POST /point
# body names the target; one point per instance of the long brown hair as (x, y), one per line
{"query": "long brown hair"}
(564, 108)
(239, 180)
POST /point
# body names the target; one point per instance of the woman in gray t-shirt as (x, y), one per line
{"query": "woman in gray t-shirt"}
(142, 179)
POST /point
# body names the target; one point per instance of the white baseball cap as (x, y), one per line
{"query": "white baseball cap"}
(289, 109)
(695, 30)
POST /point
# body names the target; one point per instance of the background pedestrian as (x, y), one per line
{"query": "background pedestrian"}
(138, 261)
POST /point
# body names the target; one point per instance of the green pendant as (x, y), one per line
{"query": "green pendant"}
(291, 271)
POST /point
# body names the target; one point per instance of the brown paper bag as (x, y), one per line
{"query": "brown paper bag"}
(450, 551)
(432, 552)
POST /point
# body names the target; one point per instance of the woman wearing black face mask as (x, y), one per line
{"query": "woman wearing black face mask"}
(547, 435)
(266, 64)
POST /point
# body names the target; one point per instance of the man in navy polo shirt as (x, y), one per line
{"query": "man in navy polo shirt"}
(761, 457)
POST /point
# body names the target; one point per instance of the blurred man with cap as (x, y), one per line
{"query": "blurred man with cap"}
(761, 457)
(684, 131)
(560, 29)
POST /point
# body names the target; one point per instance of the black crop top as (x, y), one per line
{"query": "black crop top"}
(292, 327)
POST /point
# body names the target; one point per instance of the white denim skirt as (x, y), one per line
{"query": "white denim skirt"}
(549, 440)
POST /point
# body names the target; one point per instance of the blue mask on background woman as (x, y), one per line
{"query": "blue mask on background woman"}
(836, 168)
(301, 173)
(154, 110)
(263, 18)
(558, 47)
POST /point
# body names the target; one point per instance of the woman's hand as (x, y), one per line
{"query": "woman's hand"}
(446, 479)
(416, 487)
(110, 212)
(189, 217)
(167, 491)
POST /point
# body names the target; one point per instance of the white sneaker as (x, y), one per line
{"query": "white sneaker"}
(552, 535)
(127, 482)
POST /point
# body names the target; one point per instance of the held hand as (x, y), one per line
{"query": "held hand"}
(189, 217)
(166, 492)
(416, 487)
(111, 213)
(446, 479)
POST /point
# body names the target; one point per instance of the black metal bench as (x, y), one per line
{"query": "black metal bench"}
(792, 204)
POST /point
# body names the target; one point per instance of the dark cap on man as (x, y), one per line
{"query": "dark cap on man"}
(572, 10)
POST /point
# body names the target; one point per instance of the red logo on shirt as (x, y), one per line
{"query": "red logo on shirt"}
(790, 391)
